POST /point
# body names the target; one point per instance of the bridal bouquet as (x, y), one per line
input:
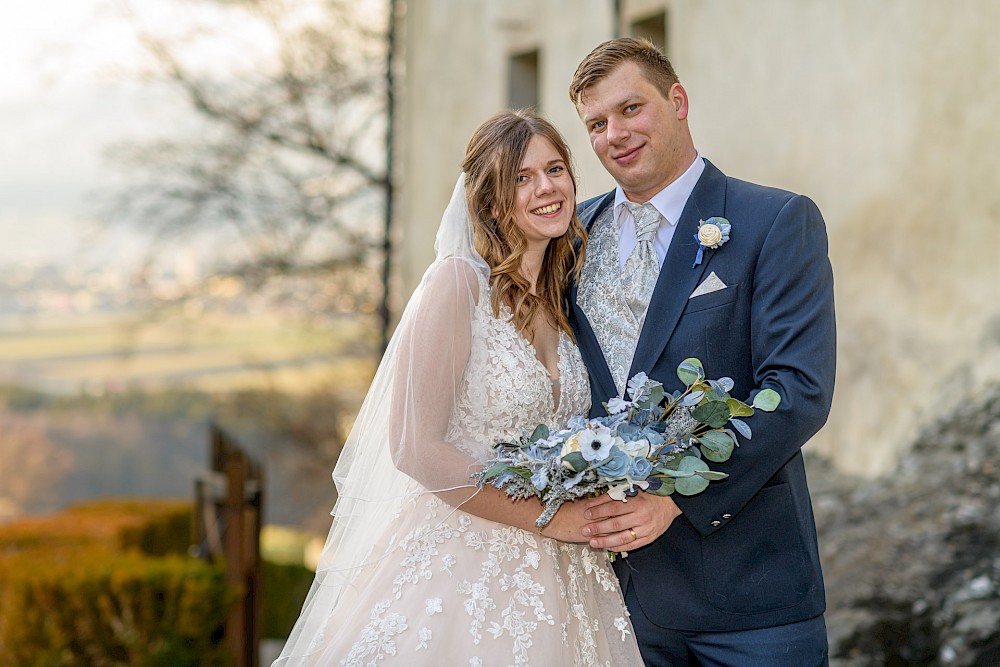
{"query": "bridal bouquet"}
(655, 442)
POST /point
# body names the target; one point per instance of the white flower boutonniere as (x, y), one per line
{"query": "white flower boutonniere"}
(712, 233)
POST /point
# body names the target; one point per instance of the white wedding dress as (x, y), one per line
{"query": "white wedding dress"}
(408, 579)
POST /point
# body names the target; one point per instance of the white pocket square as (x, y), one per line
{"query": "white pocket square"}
(709, 285)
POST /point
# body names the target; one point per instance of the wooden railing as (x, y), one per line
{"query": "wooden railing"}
(229, 504)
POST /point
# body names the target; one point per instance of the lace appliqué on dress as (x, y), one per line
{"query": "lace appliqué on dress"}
(517, 598)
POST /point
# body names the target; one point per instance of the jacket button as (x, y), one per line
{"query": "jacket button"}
(716, 523)
(727, 516)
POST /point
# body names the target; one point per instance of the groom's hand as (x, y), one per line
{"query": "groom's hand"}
(623, 526)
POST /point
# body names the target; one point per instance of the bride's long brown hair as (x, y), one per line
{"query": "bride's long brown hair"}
(492, 162)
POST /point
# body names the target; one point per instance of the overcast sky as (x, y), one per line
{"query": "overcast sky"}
(67, 90)
(61, 101)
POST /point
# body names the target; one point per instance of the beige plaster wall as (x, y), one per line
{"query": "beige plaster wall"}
(456, 55)
(886, 113)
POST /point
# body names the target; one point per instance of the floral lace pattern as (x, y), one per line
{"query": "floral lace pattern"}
(600, 297)
(507, 391)
(522, 599)
(461, 590)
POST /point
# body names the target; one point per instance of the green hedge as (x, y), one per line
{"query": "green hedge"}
(109, 583)
(92, 587)
(168, 532)
(95, 607)
(153, 527)
(285, 588)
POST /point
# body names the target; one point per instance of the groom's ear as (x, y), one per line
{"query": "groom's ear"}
(678, 97)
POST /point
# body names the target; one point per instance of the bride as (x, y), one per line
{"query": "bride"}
(421, 566)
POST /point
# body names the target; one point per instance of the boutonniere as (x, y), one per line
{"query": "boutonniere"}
(711, 234)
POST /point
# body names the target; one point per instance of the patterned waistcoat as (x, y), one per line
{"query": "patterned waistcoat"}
(601, 299)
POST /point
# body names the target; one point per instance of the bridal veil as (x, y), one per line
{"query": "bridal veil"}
(398, 448)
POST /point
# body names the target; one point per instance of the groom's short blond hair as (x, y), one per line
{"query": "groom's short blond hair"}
(607, 56)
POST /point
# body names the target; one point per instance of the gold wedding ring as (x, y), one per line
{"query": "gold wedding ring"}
(634, 536)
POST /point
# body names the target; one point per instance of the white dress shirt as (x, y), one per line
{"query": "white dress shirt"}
(669, 202)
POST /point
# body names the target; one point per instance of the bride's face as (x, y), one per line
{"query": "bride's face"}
(545, 199)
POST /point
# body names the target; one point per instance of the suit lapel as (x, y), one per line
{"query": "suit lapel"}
(678, 279)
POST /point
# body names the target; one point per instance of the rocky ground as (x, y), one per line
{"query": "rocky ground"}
(912, 559)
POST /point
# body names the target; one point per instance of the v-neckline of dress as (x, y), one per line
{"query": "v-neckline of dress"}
(555, 384)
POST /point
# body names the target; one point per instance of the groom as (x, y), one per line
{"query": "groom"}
(730, 576)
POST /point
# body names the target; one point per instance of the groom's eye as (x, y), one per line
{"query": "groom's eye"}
(598, 125)
(632, 107)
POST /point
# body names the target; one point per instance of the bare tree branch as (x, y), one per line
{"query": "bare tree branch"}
(283, 171)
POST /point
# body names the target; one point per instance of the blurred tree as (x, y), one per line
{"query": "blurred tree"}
(281, 180)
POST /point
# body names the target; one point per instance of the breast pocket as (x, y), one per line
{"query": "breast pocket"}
(714, 325)
(712, 300)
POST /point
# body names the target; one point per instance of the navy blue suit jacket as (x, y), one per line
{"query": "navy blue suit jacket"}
(743, 554)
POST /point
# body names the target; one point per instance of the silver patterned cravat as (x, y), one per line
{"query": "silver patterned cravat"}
(642, 266)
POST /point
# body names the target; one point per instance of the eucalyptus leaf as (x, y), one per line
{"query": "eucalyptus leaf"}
(692, 464)
(689, 486)
(712, 475)
(716, 446)
(541, 432)
(690, 371)
(677, 473)
(766, 400)
(656, 395)
(719, 391)
(742, 427)
(738, 408)
(665, 489)
(672, 464)
(494, 470)
(727, 383)
(712, 413)
(575, 460)
(693, 399)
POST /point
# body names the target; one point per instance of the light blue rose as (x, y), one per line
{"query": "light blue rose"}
(640, 468)
(654, 437)
(616, 465)
(629, 432)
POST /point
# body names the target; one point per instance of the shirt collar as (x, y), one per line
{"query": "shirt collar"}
(670, 200)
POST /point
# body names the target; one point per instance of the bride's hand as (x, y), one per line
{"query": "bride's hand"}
(618, 526)
(567, 525)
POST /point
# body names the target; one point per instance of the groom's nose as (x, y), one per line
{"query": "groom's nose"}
(617, 132)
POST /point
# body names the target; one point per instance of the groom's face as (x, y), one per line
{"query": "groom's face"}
(640, 136)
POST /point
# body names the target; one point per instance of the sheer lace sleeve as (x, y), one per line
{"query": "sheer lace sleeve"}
(434, 347)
